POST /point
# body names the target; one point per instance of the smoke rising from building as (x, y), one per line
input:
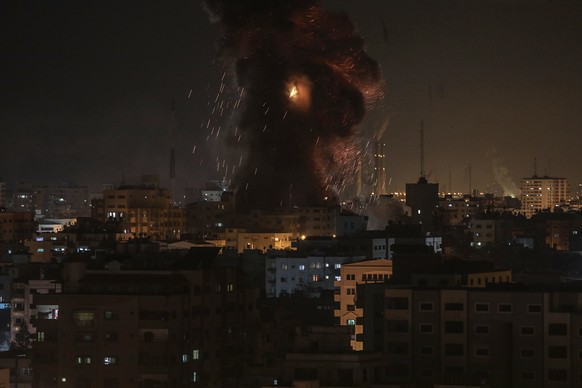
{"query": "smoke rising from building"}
(305, 84)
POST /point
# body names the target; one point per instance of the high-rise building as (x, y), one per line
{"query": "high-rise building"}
(543, 193)
(379, 178)
(2, 194)
(423, 199)
(146, 210)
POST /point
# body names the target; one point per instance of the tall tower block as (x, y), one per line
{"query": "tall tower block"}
(379, 178)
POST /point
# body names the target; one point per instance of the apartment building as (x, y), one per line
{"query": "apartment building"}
(145, 210)
(144, 329)
(352, 274)
(306, 275)
(16, 226)
(543, 193)
(503, 336)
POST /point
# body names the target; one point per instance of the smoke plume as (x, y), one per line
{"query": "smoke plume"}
(305, 83)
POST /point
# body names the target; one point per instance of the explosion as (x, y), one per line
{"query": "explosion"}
(305, 82)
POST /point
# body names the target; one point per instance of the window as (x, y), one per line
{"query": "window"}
(110, 337)
(526, 353)
(557, 352)
(301, 267)
(40, 336)
(83, 318)
(397, 303)
(397, 326)
(184, 358)
(454, 327)
(194, 376)
(534, 308)
(454, 307)
(453, 349)
(195, 354)
(230, 287)
(351, 322)
(481, 307)
(557, 329)
(109, 360)
(284, 266)
(526, 330)
(337, 265)
(481, 352)
(351, 307)
(504, 308)
(85, 337)
(481, 329)
(83, 360)
(425, 306)
(110, 315)
(557, 374)
(425, 328)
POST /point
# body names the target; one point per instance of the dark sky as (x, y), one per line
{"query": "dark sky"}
(86, 89)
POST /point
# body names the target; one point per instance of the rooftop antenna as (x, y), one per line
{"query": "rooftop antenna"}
(470, 181)
(422, 175)
(172, 152)
(450, 184)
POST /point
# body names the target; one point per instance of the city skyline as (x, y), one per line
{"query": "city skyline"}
(89, 90)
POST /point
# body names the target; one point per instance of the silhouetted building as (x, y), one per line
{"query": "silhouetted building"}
(423, 199)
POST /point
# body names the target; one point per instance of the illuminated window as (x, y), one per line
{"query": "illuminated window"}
(184, 358)
(194, 376)
(109, 360)
(230, 287)
(83, 360)
(83, 318)
(195, 354)
(351, 322)
(40, 336)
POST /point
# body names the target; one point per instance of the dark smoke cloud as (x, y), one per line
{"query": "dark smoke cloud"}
(307, 83)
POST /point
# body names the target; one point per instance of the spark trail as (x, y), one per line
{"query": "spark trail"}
(304, 82)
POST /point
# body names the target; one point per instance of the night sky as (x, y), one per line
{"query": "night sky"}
(86, 89)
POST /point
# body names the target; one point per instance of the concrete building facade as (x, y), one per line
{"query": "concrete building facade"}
(543, 193)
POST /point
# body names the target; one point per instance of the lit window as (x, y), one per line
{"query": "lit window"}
(194, 376)
(195, 354)
(109, 360)
(351, 322)
(83, 360)
(184, 358)
(301, 267)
